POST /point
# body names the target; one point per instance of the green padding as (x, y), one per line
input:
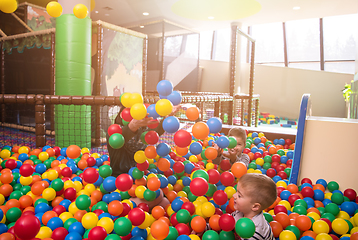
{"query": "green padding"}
(73, 77)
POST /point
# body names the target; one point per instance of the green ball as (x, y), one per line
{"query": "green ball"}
(266, 165)
(332, 186)
(212, 189)
(122, 226)
(48, 163)
(100, 205)
(36, 162)
(41, 200)
(16, 195)
(16, 175)
(252, 165)
(268, 217)
(57, 184)
(187, 189)
(13, 214)
(105, 171)
(281, 152)
(301, 202)
(300, 209)
(295, 230)
(337, 198)
(86, 233)
(210, 235)
(69, 222)
(149, 195)
(17, 187)
(113, 237)
(116, 140)
(192, 197)
(248, 145)
(33, 157)
(287, 171)
(137, 174)
(267, 143)
(245, 227)
(232, 142)
(201, 173)
(83, 202)
(183, 216)
(142, 137)
(25, 189)
(125, 195)
(173, 234)
(332, 208)
(329, 216)
(101, 188)
(226, 235)
(321, 210)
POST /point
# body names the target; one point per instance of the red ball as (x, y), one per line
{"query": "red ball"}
(98, 212)
(306, 180)
(182, 138)
(350, 194)
(257, 155)
(90, 175)
(282, 174)
(124, 182)
(154, 124)
(58, 209)
(70, 193)
(220, 197)
(225, 164)
(126, 115)
(189, 206)
(98, 233)
(143, 166)
(178, 167)
(182, 229)
(271, 172)
(11, 164)
(199, 186)
(227, 222)
(126, 209)
(144, 207)
(276, 158)
(214, 176)
(91, 161)
(227, 178)
(246, 150)
(292, 199)
(151, 137)
(288, 141)
(137, 216)
(173, 219)
(280, 208)
(59, 233)
(27, 170)
(279, 190)
(66, 172)
(27, 227)
(57, 150)
(307, 192)
(114, 128)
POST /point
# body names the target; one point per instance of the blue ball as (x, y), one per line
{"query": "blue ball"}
(23, 156)
(106, 198)
(98, 182)
(281, 141)
(306, 185)
(254, 134)
(171, 124)
(188, 168)
(63, 151)
(175, 98)
(285, 194)
(307, 238)
(318, 195)
(284, 159)
(139, 232)
(322, 182)
(3, 228)
(73, 236)
(186, 181)
(195, 148)
(254, 149)
(222, 142)
(172, 179)
(151, 111)
(45, 148)
(276, 178)
(163, 182)
(77, 227)
(115, 196)
(66, 203)
(309, 201)
(326, 201)
(40, 168)
(275, 141)
(257, 140)
(176, 204)
(183, 237)
(42, 208)
(289, 154)
(214, 124)
(164, 88)
(348, 207)
(109, 184)
(163, 149)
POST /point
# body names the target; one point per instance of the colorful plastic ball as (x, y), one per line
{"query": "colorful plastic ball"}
(151, 111)
(245, 227)
(138, 111)
(116, 140)
(136, 216)
(151, 137)
(135, 98)
(114, 128)
(199, 186)
(340, 226)
(207, 209)
(222, 142)
(49, 194)
(227, 178)
(171, 124)
(192, 113)
(214, 124)
(163, 107)
(80, 11)
(210, 235)
(160, 229)
(182, 138)
(287, 235)
(320, 226)
(90, 175)
(59, 233)
(122, 226)
(164, 88)
(183, 216)
(220, 197)
(8, 6)
(227, 222)
(27, 227)
(97, 232)
(332, 208)
(27, 170)
(331, 186)
(175, 97)
(54, 9)
(200, 130)
(163, 149)
(83, 202)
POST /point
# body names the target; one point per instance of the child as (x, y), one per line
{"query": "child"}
(234, 154)
(255, 192)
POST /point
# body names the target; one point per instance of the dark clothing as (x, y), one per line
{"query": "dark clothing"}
(122, 159)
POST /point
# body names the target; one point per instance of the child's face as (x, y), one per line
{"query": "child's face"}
(239, 147)
(242, 201)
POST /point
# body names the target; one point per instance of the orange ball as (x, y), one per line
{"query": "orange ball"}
(276, 228)
(159, 229)
(150, 152)
(6, 190)
(354, 236)
(200, 130)
(214, 222)
(309, 233)
(211, 153)
(25, 201)
(158, 212)
(6, 177)
(13, 203)
(192, 113)
(319, 186)
(163, 164)
(97, 194)
(303, 222)
(7, 236)
(292, 188)
(198, 224)
(153, 183)
(82, 164)
(238, 169)
(115, 208)
(79, 214)
(51, 152)
(171, 195)
(182, 151)
(47, 216)
(272, 150)
(283, 219)
(38, 187)
(73, 151)
(56, 201)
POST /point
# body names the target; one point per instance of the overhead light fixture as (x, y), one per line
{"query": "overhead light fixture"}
(141, 26)
(96, 11)
(106, 14)
(145, 13)
(211, 18)
(296, 8)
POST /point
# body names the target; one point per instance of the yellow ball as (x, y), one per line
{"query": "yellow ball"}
(129, 202)
(80, 11)
(140, 157)
(193, 159)
(257, 171)
(210, 166)
(170, 211)
(44, 175)
(33, 196)
(126, 99)
(328, 195)
(52, 174)
(138, 111)
(5, 153)
(89, 220)
(340, 226)
(68, 184)
(355, 218)
(23, 150)
(85, 150)
(194, 237)
(261, 135)
(136, 98)
(54, 9)
(320, 226)
(26, 181)
(355, 229)
(207, 209)
(323, 236)
(260, 161)
(45, 232)
(49, 194)
(287, 235)
(43, 156)
(78, 186)
(250, 170)
(147, 221)
(202, 199)
(8, 6)
(163, 107)
(170, 187)
(65, 216)
(139, 191)
(182, 194)
(107, 224)
(2, 199)
(93, 4)
(90, 188)
(83, 192)
(73, 208)
(314, 215)
(343, 215)
(230, 191)
(95, 155)
(281, 183)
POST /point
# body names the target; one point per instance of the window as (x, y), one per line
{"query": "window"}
(222, 45)
(206, 40)
(172, 46)
(192, 45)
(269, 43)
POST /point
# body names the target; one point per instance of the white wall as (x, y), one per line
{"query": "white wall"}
(281, 88)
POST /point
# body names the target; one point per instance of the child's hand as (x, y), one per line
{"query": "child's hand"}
(220, 150)
(231, 154)
(135, 124)
(176, 108)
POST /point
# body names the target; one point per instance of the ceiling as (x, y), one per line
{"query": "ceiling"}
(127, 13)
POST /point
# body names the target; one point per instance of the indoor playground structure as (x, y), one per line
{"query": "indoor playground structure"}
(56, 181)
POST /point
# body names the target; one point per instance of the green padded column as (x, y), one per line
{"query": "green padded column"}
(73, 77)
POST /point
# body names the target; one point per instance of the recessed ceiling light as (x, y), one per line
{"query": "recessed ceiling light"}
(145, 13)
(141, 26)
(106, 14)
(96, 11)
(211, 18)
(296, 8)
